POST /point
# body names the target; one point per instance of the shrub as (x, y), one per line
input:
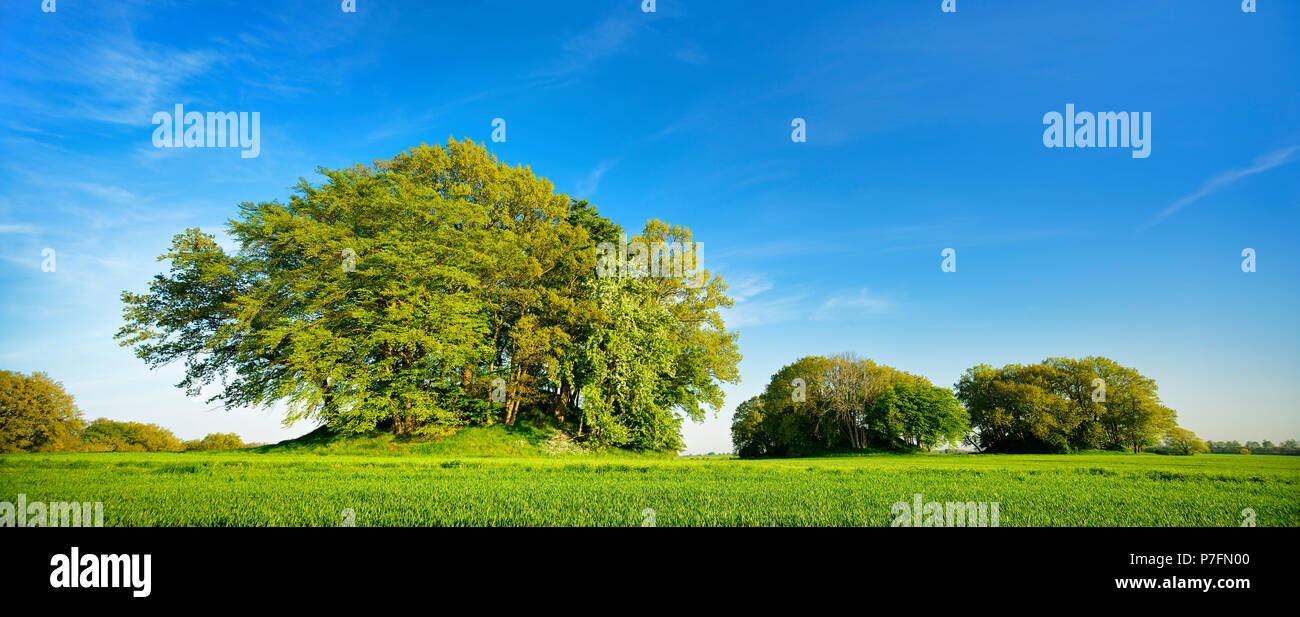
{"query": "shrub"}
(104, 435)
(216, 441)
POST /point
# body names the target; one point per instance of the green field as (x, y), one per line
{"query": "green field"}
(410, 487)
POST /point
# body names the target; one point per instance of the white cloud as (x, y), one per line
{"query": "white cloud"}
(765, 312)
(756, 307)
(748, 287)
(116, 79)
(1227, 178)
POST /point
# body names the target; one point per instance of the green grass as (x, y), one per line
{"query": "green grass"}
(389, 482)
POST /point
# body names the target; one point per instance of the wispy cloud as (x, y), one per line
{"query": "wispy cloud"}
(852, 306)
(691, 54)
(108, 193)
(17, 228)
(1227, 178)
(756, 306)
(580, 52)
(675, 127)
(115, 79)
(586, 187)
(418, 123)
(766, 311)
(748, 287)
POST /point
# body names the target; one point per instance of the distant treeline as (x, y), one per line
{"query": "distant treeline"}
(1056, 406)
(38, 415)
(105, 435)
(1288, 447)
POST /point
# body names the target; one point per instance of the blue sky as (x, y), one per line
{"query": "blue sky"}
(924, 132)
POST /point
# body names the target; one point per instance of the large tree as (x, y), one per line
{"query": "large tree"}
(1182, 441)
(748, 435)
(403, 295)
(920, 415)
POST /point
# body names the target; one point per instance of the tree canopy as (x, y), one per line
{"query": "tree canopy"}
(434, 290)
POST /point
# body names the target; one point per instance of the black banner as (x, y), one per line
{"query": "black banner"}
(322, 566)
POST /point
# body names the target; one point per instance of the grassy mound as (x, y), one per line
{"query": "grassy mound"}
(496, 440)
(521, 440)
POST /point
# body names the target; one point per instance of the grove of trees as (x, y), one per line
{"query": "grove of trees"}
(1062, 405)
(436, 290)
(845, 403)
(1058, 405)
(1289, 447)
